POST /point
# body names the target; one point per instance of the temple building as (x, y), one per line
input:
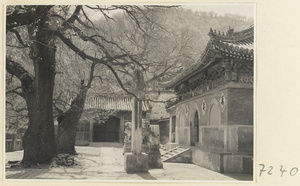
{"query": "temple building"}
(104, 118)
(213, 112)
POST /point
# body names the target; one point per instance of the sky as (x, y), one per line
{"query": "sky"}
(242, 9)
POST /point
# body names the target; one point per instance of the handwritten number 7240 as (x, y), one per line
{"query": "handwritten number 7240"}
(269, 170)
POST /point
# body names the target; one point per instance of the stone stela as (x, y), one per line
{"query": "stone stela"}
(136, 161)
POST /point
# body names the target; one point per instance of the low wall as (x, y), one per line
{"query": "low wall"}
(223, 162)
(13, 145)
(235, 138)
(245, 139)
(183, 134)
(209, 160)
(238, 164)
(213, 138)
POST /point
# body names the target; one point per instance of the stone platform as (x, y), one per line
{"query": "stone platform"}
(223, 162)
(136, 163)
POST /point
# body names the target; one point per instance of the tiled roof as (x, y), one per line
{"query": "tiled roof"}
(112, 103)
(233, 44)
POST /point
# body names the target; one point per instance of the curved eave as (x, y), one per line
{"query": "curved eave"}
(234, 51)
(202, 64)
(217, 45)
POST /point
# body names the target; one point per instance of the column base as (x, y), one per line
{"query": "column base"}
(154, 157)
(136, 163)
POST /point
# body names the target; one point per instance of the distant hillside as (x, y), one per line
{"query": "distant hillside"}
(198, 25)
(181, 30)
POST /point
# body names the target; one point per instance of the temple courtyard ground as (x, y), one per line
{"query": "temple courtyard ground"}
(107, 163)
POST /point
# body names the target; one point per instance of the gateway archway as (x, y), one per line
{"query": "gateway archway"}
(194, 129)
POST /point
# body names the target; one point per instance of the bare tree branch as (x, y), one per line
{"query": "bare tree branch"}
(119, 81)
(19, 37)
(23, 75)
(14, 91)
(83, 55)
(16, 109)
(87, 18)
(17, 18)
(72, 19)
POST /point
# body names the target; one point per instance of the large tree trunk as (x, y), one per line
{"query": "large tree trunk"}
(68, 121)
(38, 140)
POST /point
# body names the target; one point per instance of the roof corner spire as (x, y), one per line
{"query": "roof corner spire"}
(230, 31)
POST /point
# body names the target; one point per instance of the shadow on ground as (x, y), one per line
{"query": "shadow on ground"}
(241, 177)
(26, 173)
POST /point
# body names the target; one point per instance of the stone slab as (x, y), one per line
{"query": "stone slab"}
(245, 139)
(136, 163)
(213, 138)
(207, 160)
(238, 164)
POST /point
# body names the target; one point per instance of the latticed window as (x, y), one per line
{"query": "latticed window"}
(83, 130)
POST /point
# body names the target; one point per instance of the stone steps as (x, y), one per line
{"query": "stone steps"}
(162, 149)
(106, 144)
(172, 153)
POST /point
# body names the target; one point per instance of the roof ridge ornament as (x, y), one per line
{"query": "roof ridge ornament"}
(230, 31)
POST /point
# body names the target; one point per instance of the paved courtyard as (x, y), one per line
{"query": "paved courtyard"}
(107, 163)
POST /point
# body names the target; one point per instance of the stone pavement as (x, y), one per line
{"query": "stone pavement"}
(107, 163)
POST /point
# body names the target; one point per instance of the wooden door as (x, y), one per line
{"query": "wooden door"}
(108, 131)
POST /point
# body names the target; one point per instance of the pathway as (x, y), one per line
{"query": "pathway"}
(107, 163)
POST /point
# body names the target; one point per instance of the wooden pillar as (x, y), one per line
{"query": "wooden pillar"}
(138, 86)
(136, 143)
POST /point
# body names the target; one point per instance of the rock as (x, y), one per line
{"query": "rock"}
(151, 145)
(63, 160)
(13, 162)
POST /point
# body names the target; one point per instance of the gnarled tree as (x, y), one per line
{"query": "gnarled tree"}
(46, 26)
(37, 88)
